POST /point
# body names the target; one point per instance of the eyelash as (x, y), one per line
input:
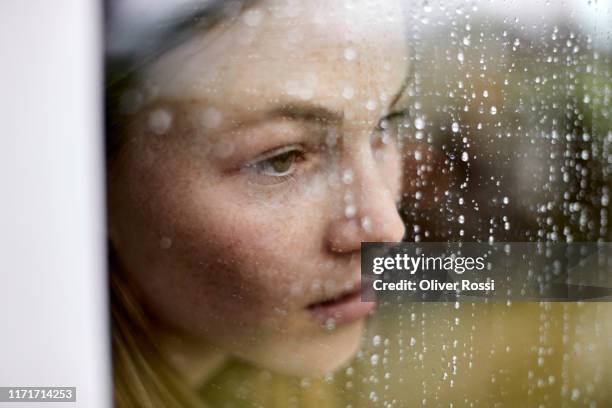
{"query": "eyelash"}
(258, 165)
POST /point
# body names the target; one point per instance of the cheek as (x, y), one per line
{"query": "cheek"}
(257, 252)
(232, 260)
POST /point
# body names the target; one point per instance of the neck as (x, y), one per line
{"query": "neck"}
(195, 360)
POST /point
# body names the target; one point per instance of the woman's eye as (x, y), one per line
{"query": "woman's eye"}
(280, 164)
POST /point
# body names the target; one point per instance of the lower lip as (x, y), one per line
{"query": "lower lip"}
(344, 310)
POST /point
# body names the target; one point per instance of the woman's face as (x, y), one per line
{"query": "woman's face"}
(249, 181)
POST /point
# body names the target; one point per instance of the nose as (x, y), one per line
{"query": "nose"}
(368, 211)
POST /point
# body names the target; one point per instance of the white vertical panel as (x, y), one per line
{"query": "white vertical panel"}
(53, 294)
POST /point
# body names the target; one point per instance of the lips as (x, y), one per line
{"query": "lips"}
(345, 307)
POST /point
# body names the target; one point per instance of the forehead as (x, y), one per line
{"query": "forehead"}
(280, 49)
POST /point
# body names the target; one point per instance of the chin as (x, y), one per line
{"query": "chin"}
(314, 356)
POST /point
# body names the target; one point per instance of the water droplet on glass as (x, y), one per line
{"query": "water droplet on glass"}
(211, 118)
(350, 211)
(419, 123)
(160, 121)
(165, 243)
(348, 93)
(376, 341)
(347, 176)
(252, 18)
(350, 54)
(366, 224)
(223, 149)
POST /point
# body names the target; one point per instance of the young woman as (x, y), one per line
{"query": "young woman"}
(249, 155)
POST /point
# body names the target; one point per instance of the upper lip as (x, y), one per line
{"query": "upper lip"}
(352, 289)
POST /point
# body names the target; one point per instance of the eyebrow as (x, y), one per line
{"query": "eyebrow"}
(314, 113)
(309, 112)
(306, 112)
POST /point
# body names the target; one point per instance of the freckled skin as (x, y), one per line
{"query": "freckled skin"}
(221, 256)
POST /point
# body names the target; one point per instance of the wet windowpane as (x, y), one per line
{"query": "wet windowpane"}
(252, 146)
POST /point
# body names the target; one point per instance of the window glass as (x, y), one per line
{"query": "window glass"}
(252, 146)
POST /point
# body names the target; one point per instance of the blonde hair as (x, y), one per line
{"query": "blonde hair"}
(141, 376)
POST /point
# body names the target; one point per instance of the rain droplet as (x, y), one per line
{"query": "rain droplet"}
(223, 149)
(330, 324)
(350, 54)
(211, 118)
(348, 92)
(419, 123)
(252, 18)
(350, 211)
(165, 243)
(455, 127)
(160, 121)
(347, 176)
(366, 224)
(465, 157)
